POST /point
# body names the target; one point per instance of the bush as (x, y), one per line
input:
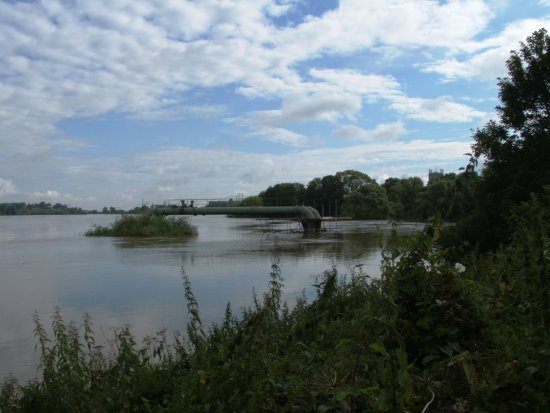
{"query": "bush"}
(145, 225)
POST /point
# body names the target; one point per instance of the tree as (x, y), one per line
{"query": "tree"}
(437, 197)
(370, 202)
(403, 195)
(251, 201)
(325, 194)
(352, 180)
(286, 193)
(516, 147)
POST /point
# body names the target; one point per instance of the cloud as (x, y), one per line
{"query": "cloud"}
(441, 109)
(83, 59)
(372, 87)
(62, 60)
(341, 94)
(53, 196)
(486, 59)
(382, 132)
(319, 106)
(280, 135)
(412, 23)
(49, 195)
(7, 187)
(179, 111)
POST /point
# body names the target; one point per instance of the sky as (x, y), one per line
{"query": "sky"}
(124, 102)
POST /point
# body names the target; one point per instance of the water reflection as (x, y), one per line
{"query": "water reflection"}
(47, 262)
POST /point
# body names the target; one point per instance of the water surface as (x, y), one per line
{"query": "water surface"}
(47, 262)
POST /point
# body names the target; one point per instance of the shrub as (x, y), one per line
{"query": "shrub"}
(145, 225)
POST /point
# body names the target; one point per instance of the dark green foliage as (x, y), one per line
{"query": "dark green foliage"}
(352, 193)
(251, 201)
(514, 284)
(145, 225)
(436, 317)
(353, 181)
(40, 208)
(369, 202)
(516, 148)
(355, 194)
(452, 196)
(325, 194)
(286, 193)
(403, 196)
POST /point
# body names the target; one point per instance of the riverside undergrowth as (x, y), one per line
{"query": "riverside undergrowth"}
(430, 334)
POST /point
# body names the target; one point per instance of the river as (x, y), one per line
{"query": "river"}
(47, 262)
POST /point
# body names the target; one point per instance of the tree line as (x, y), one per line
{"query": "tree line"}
(47, 208)
(40, 208)
(355, 194)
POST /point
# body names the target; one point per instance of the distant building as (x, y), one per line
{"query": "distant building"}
(434, 175)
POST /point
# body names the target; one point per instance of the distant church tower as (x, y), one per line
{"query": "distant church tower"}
(433, 175)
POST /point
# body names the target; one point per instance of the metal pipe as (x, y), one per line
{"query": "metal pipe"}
(308, 216)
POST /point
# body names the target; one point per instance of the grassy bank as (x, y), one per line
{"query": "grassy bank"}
(431, 335)
(145, 225)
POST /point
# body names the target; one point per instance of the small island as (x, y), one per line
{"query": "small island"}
(145, 225)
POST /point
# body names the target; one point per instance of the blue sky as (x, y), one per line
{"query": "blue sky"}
(108, 102)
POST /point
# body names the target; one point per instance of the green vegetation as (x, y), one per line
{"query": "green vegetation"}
(447, 327)
(355, 194)
(251, 201)
(41, 208)
(145, 225)
(46, 208)
(516, 148)
(287, 193)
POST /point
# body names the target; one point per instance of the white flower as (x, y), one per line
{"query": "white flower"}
(460, 268)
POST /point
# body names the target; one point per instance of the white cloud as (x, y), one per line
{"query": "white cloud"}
(86, 58)
(178, 112)
(48, 195)
(340, 95)
(320, 106)
(372, 87)
(7, 187)
(442, 109)
(280, 135)
(357, 24)
(487, 59)
(383, 132)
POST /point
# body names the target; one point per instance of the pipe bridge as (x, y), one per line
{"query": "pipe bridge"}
(308, 216)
